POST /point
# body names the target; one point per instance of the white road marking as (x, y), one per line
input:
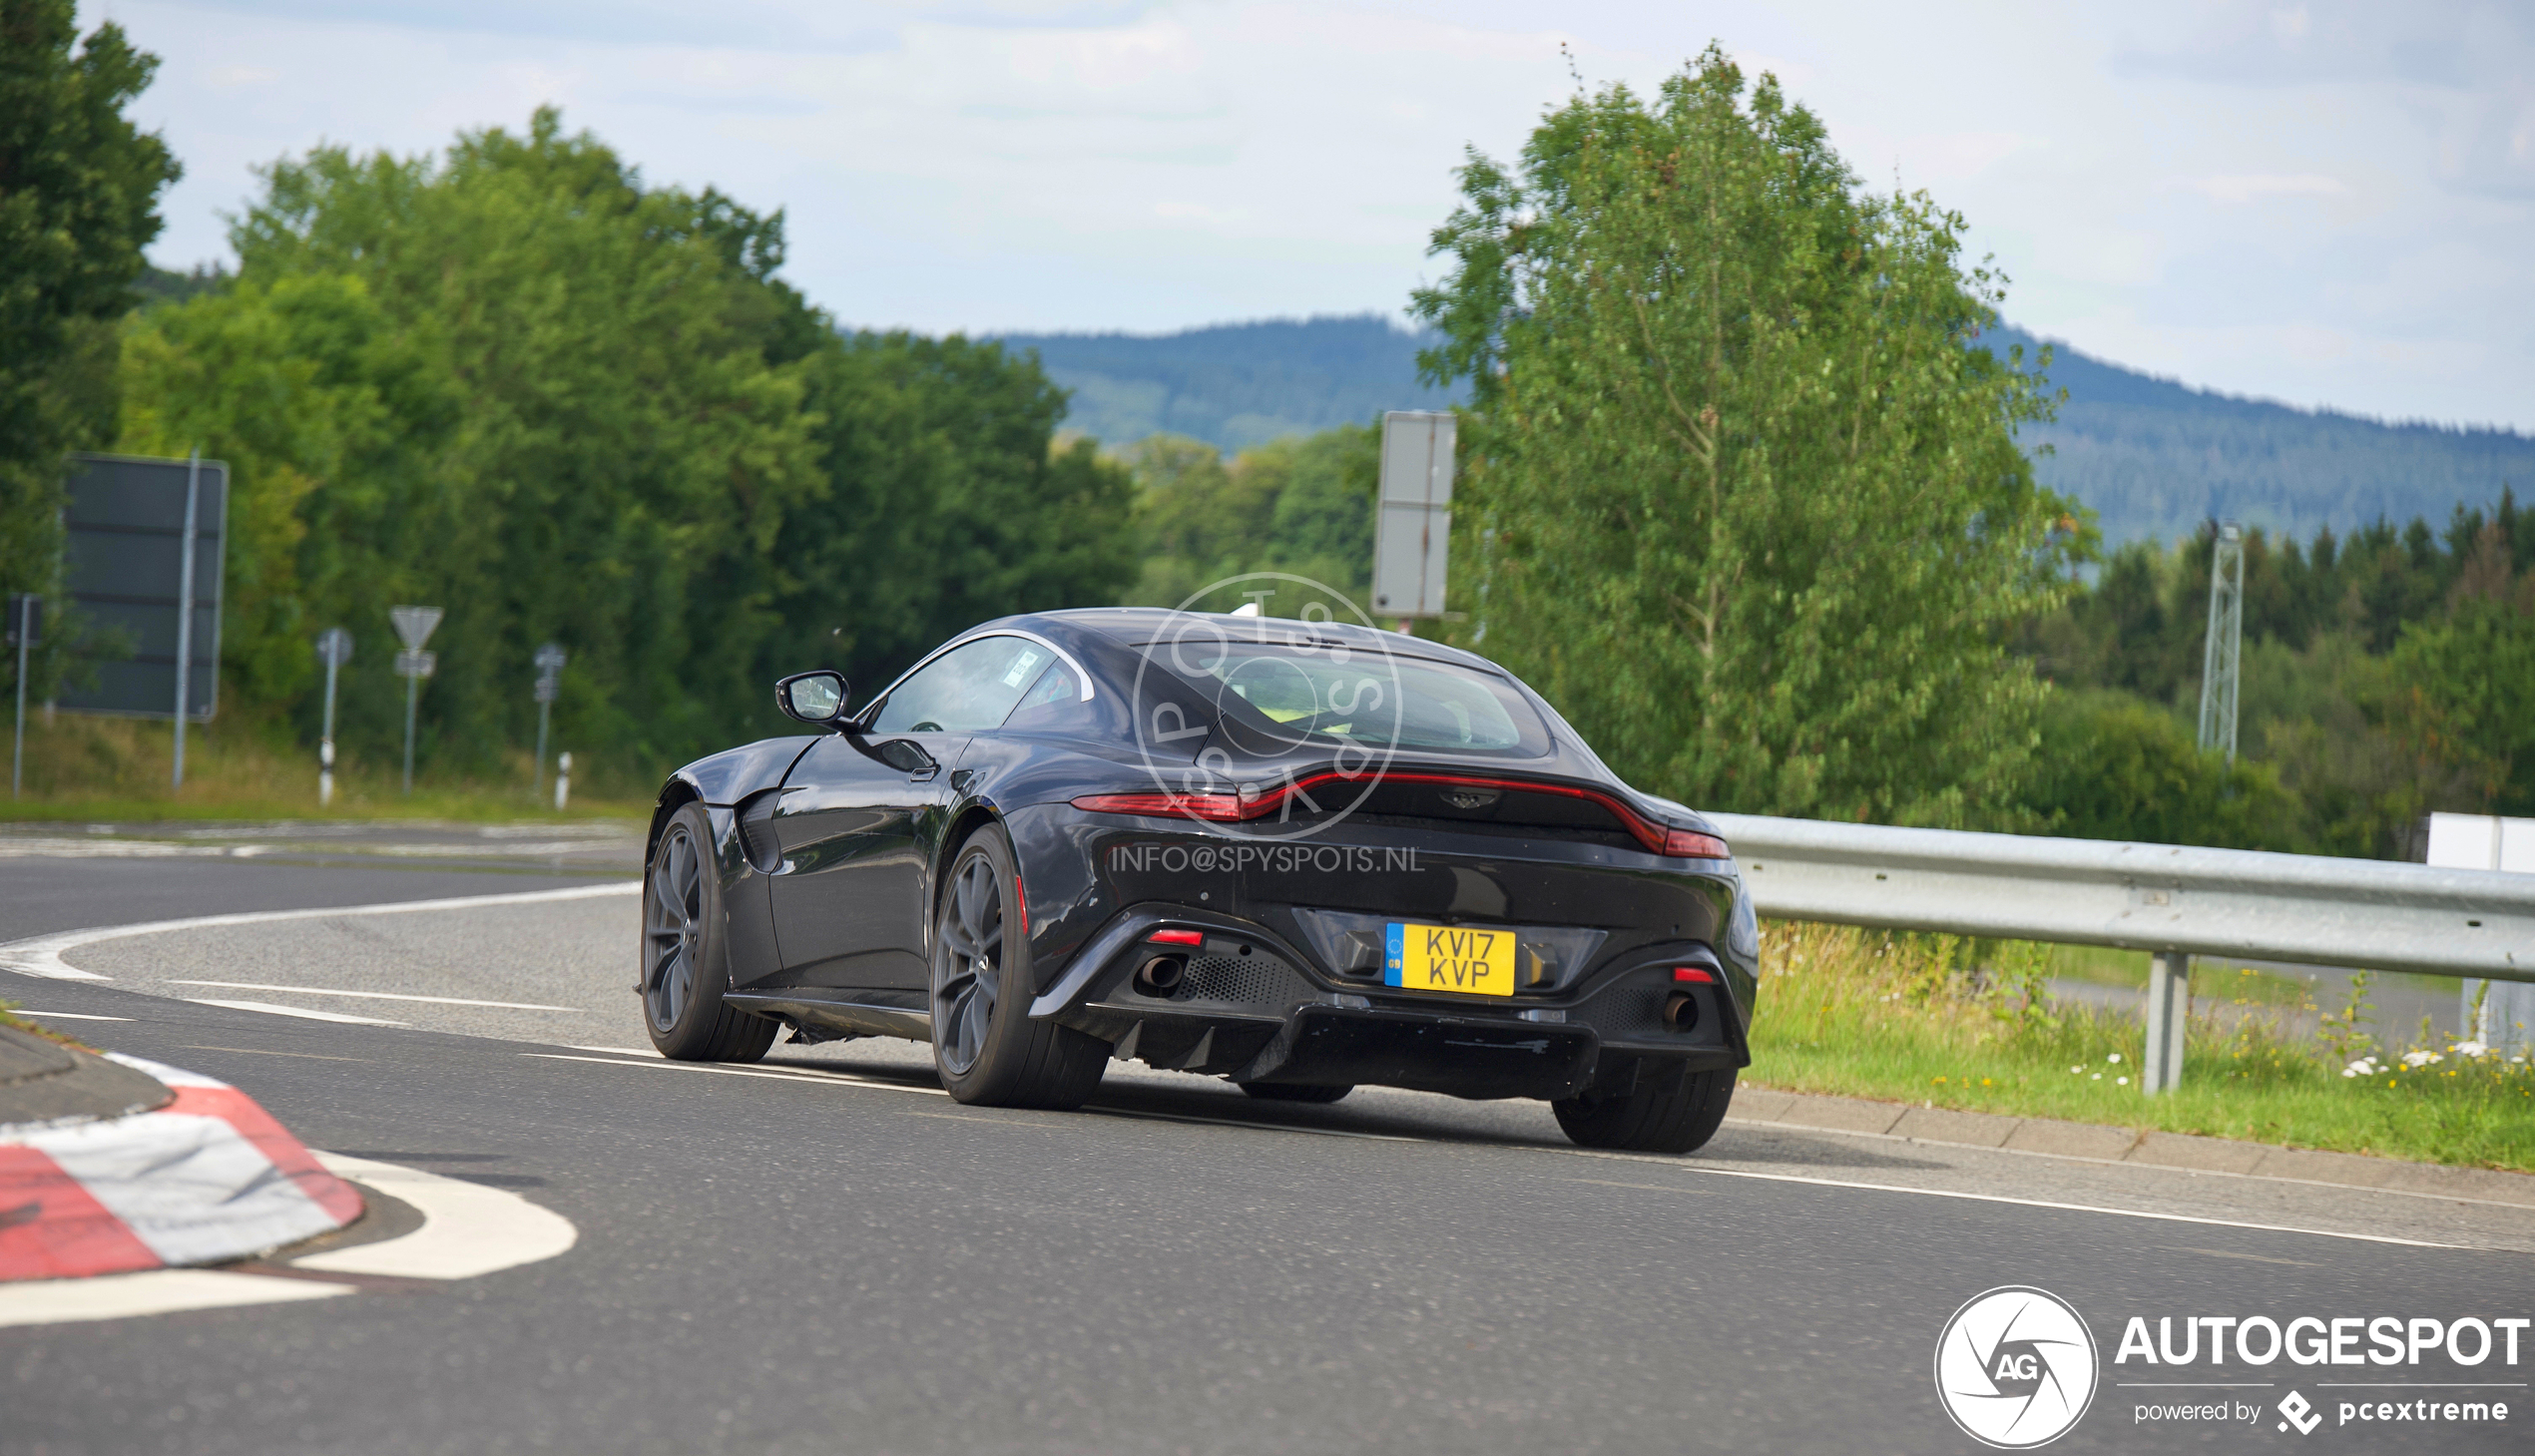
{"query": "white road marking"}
(150, 1291)
(1891, 1187)
(64, 1015)
(299, 1011)
(468, 1228)
(619, 1051)
(378, 995)
(42, 955)
(825, 1077)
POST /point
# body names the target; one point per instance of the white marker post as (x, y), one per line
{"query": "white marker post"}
(563, 780)
(334, 648)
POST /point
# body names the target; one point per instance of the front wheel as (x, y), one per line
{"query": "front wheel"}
(1663, 1112)
(985, 1046)
(687, 952)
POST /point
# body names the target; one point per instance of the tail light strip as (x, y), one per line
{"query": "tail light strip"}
(1233, 808)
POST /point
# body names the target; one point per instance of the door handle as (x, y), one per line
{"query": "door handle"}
(925, 774)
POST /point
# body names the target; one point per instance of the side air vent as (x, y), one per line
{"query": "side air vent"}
(756, 833)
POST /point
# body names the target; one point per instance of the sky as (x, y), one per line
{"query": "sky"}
(2324, 204)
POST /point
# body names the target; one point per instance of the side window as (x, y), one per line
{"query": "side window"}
(970, 688)
(1053, 702)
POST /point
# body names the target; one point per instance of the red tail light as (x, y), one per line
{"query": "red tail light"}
(1176, 937)
(1695, 975)
(1160, 805)
(1684, 845)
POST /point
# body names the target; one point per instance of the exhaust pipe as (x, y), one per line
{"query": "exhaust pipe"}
(1681, 1012)
(1160, 975)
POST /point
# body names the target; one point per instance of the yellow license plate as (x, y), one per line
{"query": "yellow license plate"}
(1467, 960)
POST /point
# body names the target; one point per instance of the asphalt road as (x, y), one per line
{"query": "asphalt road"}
(777, 1260)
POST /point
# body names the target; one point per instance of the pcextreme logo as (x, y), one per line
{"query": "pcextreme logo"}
(2016, 1367)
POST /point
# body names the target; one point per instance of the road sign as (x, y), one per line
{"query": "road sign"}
(549, 658)
(546, 687)
(412, 663)
(1414, 527)
(124, 562)
(334, 647)
(415, 624)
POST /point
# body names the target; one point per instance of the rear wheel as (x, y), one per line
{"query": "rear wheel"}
(1662, 1112)
(985, 1046)
(687, 952)
(1287, 1092)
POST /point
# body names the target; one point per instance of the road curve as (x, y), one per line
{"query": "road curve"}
(827, 1254)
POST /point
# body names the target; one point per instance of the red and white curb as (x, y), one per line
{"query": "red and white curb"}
(210, 1177)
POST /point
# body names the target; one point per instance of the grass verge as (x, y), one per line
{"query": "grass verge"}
(1954, 1023)
(100, 770)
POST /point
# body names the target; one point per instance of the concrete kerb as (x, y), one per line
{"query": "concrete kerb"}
(1762, 1107)
(114, 1165)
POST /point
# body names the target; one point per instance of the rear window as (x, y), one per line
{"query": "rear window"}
(1376, 700)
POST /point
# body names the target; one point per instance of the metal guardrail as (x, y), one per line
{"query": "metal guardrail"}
(2172, 900)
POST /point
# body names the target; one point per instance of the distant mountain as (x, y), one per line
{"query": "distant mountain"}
(2153, 457)
(1236, 385)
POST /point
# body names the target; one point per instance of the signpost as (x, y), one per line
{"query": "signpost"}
(413, 625)
(22, 615)
(1414, 526)
(334, 648)
(142, 558)
(549, 662)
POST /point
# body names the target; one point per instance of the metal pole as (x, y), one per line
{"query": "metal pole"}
(26, 629)
(2169, 1012)
(543, 710)
(185, 607)
(2221, 664)
(413, 690)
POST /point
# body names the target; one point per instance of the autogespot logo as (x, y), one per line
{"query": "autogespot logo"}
(1278, 678)
(2016, 1367)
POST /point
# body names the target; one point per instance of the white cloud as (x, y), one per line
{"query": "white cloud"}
(2213, 192)
(2240, 189)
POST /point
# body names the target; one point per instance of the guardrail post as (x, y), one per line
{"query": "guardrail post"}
(2169, 1012)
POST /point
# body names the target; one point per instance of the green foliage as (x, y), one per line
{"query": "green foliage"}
(516, 382)
(79, 190)
(2112, 766)
(1760, 522)
(2384, 675)
(1301, 506)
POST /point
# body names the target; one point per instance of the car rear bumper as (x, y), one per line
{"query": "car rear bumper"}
(1252, 1007)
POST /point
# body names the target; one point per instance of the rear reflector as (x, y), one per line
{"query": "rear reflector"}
(1696, 975)
(1176, 937)
(1684, 845)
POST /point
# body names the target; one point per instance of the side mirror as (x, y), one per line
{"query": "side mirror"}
(814, 697)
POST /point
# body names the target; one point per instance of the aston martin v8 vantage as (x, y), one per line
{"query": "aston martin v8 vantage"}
(1302, 856)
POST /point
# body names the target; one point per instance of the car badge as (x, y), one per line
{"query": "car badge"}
(1471, 798)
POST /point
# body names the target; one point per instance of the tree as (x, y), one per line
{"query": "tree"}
(1761, 523)
(79, 190)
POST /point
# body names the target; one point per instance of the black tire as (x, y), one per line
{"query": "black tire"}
(1289, 1091)
(687, 952)
(985, 1046)
(1658, 1114)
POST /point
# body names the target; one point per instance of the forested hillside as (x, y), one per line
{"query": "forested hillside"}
(2152, 457)
(1236, 385)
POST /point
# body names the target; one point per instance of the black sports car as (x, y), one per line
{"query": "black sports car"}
(1302, 855)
